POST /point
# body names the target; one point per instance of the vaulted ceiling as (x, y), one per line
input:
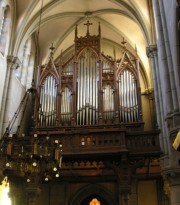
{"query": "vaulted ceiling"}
(56, 21)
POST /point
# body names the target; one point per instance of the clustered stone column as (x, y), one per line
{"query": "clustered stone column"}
(151, 52)
(172, 186)
(124, 183)
(12, 64)
(165, 77)
(124, 192)
(168, 69)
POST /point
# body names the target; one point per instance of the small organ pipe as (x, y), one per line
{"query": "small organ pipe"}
(128, 96)
(131, 97)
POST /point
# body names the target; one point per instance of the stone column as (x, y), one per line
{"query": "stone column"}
(172, 71)
(133, 198)
(178, 41)
(124, 192)
(124, 172)
(12, 63)
(168, 67)
(151, 52)
(172, 186)
(163, 64)
(124, 183)
(32, 193)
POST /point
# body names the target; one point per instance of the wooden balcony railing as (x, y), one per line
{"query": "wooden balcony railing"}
(40, 154)
(113, 142)
(117, 142)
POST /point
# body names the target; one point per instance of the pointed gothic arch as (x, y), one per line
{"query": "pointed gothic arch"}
(88, 192)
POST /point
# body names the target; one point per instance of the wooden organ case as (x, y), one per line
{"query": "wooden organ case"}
(90, 89)
(92, 103)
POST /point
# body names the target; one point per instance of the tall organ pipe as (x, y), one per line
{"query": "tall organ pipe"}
(87, 93)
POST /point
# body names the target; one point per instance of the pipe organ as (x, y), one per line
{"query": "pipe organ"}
(89, 89)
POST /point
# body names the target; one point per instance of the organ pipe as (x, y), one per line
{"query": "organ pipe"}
(66, 105)
(108, 102)
(128, 97)
(87, 92)
(48, 94)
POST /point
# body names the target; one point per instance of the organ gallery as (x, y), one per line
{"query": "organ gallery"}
(89, 102)
(86, 124)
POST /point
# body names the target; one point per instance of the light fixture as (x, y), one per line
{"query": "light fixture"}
(46, 179)
(57, 175)
(23, 154)
(34, 164)
(4, 192)
(28, 180)
(30, 155)
(8, 164)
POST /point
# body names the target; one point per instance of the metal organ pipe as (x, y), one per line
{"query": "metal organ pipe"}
(66, 95)
(83, 67)
(108, 102)
(88, 87)
(87, 91)
(48, 92)
(47, 99)
(90, 92)
(128, 97)
(41, 94)
(66, 105)
(94, 91)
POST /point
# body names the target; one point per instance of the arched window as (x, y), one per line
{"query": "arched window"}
(26, 55)
(4, 29)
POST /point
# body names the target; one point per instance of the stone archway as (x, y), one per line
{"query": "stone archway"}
(86, 194)
(94, 199)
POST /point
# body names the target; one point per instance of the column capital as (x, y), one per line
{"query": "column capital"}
(172, 176)
(151, 51)
(172, 184)
(13, 62)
